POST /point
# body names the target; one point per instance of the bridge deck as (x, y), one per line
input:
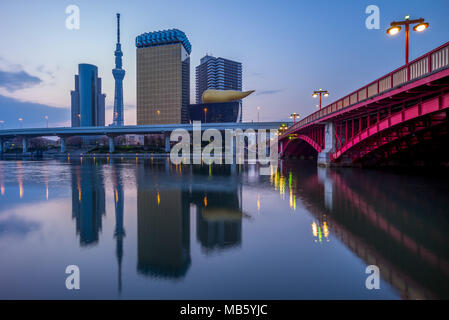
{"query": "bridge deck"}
(424, 70)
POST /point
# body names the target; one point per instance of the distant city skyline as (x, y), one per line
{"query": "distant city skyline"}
(288, 48)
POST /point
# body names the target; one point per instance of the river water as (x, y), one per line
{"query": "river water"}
(146, 229)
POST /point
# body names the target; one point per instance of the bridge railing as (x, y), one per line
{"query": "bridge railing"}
(428, 63)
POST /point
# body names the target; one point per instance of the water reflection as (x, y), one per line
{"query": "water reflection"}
(89, 205)
(2, 180)
(165, 197)
(320, 231)
(181, 218)
(88, 202)
(395, 221)
(119, 233)
(163, 220)
(218, 216)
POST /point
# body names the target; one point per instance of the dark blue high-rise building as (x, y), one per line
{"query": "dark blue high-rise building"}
(215, 112)
(218, 74)
(88, 103)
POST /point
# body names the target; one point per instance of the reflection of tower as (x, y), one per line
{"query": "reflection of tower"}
(163, 230)
(118, 74)
(88, 203)
(119, 233)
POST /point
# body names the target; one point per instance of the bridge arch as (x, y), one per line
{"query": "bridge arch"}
(300, 145)
(388, 136)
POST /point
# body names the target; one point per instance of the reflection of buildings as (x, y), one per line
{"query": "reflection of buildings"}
(219, 214)
(218, 220)
(88, 206)
(163, 234)
(381, 224)
(165, 195)
(164, 217)
(88, 202)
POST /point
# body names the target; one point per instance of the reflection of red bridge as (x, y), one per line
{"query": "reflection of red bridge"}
(413, 264)
(390, 230)
(405, 109)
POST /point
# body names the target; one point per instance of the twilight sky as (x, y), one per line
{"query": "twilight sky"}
(288, 49)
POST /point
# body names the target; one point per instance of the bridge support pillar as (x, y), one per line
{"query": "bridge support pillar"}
(233, 147)
(167, 141)
(229, 146)
(233, 169)
(167, 165)
(111, 145)
(63, 144)
(323, 176)
(24, 145)
(267, 145)
(329, 143)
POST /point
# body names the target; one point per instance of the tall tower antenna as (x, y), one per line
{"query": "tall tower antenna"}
(118, 27)
(118, 74)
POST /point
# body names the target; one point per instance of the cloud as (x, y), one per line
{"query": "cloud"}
(43, 70)
(32, 113)
(16, 227)
(16, 80)
(265, 92)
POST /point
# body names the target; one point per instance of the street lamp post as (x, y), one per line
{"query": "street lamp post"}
(20, 122)
(258, 110)
(320, 93)
(2, 123)
(46, 119)
(205, 113)
(395, 27)
(282, 128)
(294, 116)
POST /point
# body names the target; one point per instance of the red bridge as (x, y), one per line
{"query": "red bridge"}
(400, 116)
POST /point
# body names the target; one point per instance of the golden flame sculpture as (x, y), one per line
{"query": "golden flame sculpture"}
(213, 96)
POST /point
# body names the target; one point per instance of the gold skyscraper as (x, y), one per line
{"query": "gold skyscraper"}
(163, 77)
